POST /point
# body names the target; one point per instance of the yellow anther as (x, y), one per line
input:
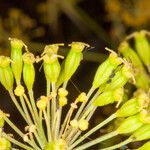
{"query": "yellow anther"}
(19, 91)
(62, 101)
(82, 98)
(62, 92)
(83, 124)
(74, 123)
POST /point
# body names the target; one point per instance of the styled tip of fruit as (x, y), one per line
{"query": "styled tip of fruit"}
(78, 46)
(28, 58)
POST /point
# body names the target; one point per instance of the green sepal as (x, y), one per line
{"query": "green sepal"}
(130, 124)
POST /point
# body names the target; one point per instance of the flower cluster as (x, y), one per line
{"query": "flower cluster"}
(46, 129)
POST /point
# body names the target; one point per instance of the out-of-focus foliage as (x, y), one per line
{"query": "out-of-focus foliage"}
(127, 14)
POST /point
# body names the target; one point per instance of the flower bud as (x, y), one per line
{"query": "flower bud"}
(16, 56)
(129, 108)
(105, 69)
(143, 47)
(146, 146)
(4, 144)
(42, 103)
(83, 124)
(63, 101)
(143, 133)
(6, 75)
(28, 70)
(82, 98)
(19, 91)
(130, 125)
(74, 123)
(62, 92)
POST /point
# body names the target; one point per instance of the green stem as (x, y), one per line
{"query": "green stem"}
(18, 131)
(118, 145)
(48, 126)
(48, 105)
(39, 128)
(83, 104)
(113, 116)
(17, 105)
(53, 109)
(96, 141)
(25, 110)
(12, 140)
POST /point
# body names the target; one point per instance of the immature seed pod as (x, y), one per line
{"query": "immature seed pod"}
(51, 64)
(108, 97)
(104, 99)
(130, 108)
(83, 124)
(130, 124)
(146, 146)
(6, 75)
(16, 56)
(142, 47)
(121, 78)
(28, 70)
(73, 59)
(125, 49)
(4, 144)
(143, 133)
(105, 70)
(142, 79)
